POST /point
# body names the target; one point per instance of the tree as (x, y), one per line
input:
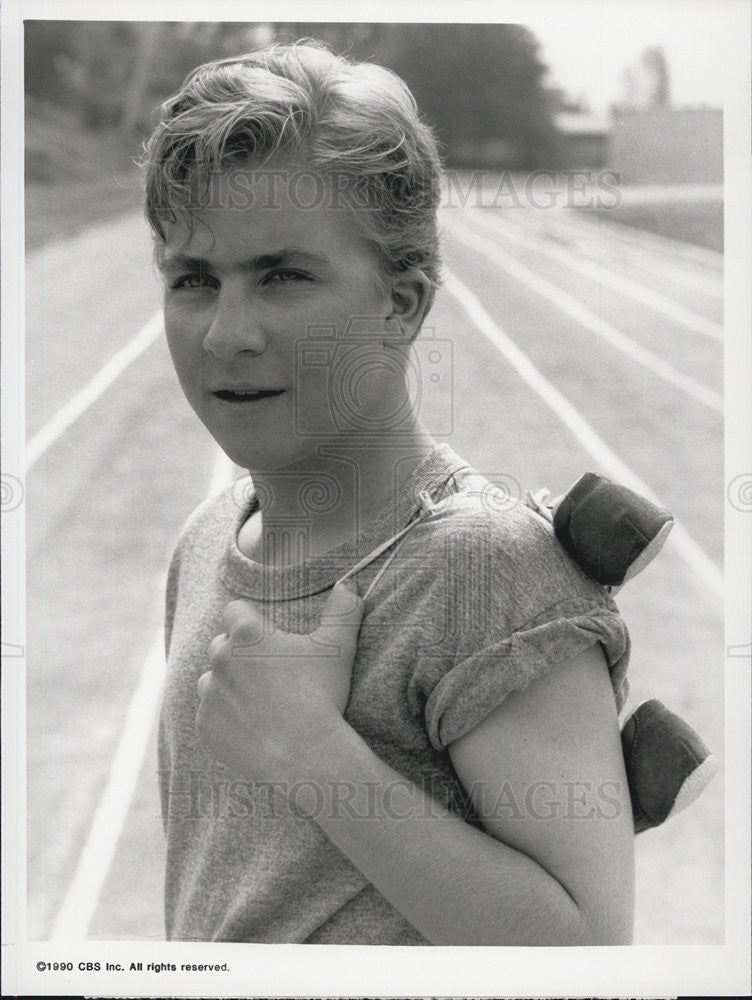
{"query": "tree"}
(645, 84)
(477, 84)
(656, 69)
(147, 38)
(472, 82)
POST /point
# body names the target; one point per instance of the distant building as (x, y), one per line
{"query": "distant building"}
(658, 145)
(583, 139)
(663, 145)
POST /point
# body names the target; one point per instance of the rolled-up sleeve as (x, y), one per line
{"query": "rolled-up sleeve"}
(476, 686)
(538, 611)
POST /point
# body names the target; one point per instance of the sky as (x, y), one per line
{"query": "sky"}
(588, 43)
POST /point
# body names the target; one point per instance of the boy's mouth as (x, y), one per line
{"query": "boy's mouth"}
(245, 395)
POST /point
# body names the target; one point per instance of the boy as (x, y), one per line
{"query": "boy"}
(414, 766)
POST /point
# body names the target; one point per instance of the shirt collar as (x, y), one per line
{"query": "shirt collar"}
(433, 474)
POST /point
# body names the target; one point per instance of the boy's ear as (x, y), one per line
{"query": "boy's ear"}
(411, 297)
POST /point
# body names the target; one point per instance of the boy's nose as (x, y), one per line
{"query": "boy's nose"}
(235, 327)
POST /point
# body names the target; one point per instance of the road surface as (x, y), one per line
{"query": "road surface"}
(575, 347)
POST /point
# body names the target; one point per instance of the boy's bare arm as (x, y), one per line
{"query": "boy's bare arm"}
(555, 865)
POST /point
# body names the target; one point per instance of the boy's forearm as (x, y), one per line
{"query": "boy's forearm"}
(454, 883)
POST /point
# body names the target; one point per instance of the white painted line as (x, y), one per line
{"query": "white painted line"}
(81, 899)
(659, 303)
(587, 319)
(595, 240)
(645, 241)
(609, 462)
(73, 409)
(668, 194)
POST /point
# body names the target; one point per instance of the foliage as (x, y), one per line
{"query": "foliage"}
(480, 85)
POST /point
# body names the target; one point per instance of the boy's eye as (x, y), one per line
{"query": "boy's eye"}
(195, 280)
(285, 277)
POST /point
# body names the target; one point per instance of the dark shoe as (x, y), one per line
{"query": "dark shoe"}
(609, 530)
(667, 763)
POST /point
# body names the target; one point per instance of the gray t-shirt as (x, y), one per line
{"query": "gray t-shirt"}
(478, 601)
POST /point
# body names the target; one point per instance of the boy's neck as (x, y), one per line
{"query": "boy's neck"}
(329, 497)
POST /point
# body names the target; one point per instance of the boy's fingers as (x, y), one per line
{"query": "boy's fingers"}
(203, 681)
(343, 607)
(216, 645)
(241, 615)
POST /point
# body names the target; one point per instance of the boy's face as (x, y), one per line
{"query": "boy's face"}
(268, 260)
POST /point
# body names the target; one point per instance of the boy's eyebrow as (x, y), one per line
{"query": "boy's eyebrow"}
(262, 262)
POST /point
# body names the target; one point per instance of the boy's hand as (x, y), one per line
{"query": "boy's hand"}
(270, 697)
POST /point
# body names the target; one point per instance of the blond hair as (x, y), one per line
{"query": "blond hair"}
(302, 103)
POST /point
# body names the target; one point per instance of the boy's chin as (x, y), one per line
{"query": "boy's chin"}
(268, 458)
